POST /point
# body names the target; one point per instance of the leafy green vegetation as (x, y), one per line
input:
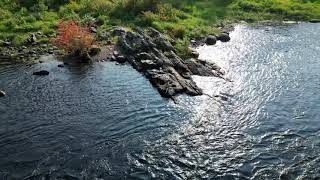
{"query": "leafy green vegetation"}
(181, 20)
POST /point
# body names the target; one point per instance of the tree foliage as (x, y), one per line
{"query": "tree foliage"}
(73, 38)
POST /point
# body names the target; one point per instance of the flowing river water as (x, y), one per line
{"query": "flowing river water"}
(105, 121)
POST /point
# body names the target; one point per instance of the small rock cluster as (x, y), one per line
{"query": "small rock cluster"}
(32, 49)
(212, 40)
(150, 53)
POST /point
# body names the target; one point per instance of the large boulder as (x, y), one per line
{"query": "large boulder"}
(224, 37)
(41, 73)
(211, 40)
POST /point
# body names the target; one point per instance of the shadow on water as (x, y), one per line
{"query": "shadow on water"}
(78, 122)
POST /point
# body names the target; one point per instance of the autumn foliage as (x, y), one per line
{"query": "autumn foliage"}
(73, 38)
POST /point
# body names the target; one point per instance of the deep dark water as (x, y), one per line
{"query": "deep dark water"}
(105, 121)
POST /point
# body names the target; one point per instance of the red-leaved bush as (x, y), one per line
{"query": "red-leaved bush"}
(73, 38)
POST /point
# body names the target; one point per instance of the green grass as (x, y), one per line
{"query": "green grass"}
(276, 9)
(181, 20)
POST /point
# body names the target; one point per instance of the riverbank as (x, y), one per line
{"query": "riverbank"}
(32, 25)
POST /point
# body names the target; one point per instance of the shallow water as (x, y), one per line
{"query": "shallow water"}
(106, 121)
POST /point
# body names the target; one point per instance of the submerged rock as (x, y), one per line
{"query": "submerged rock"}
(211, 40)
(224, 37)
(61, 65)
(150, 53)
(41, 73)
(2, 93)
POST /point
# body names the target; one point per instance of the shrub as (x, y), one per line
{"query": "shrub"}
(182, 47)
(73, 38)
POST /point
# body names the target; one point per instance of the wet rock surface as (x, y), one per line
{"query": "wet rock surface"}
(41, 73)
(211, 40)
(224, 37)
(150, 53)
(31, 50)
(2, 93)
(315, 21)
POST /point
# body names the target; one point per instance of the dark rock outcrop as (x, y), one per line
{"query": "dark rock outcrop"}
(224, 37)
(119, 31)
(32, 39)
(315, 21)
(2, 93)
(94, 50)
(211, 40)
(150, 53)
(5, 43)
(93, 29)
(41, 73)
(194, 54)
(78, 57)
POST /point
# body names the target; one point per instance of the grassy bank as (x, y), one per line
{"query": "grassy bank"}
(181, 20)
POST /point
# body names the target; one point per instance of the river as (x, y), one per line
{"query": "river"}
(105, 121)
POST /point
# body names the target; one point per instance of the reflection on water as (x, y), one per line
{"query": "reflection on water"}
(78, 122)
(105, 121)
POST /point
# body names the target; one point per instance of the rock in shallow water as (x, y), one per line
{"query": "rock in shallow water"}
(211, 40)
(41, 73)
(151, 53)
(315, 21)
(224, 37)
(121, 59)
(2, 93)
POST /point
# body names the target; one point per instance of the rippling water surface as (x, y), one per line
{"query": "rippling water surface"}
(105, 121)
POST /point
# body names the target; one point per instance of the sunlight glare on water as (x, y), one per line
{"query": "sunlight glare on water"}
(249, 130)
